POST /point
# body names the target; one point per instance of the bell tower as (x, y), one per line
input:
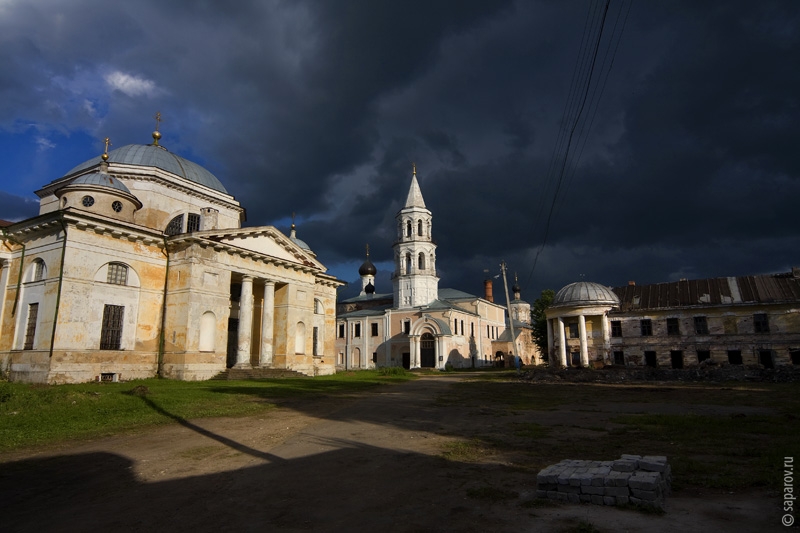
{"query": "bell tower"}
(414, 280)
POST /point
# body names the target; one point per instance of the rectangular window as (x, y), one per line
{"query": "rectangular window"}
(316, 341)
(766, 358)
(794, 355)
(375, 357)
(761, 323)
(192, 222)
(647, 327)
(735, 357)
(341, 331)
(573, 331)
(30, 330)
(111, 332)
(117, 274)
(356, 330)
(616, 328)
(374, 327)
(703, 355)
(673, 326)
(676, 356)
(701, 325)
(472, 329)
(650, 359)
(407, 327)
(619, 358)
(462, 327)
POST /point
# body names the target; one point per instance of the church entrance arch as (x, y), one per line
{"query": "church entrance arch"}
(427, 351)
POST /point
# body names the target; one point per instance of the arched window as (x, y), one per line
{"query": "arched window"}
(419, 228)
(117, 274)
(39, 270)
(300, 339)
(175, 226)
(408, 263)
(408, 228)
(421, 265)
(208, 332)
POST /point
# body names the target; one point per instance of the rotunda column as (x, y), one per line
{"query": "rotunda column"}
(550, 340)
(245, 322)
(584, 345)
(267, 324)
(606, 338)
(562, 343)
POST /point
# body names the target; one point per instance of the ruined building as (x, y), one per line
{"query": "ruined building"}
(732, 320)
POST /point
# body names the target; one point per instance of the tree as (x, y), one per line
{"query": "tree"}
(539, 321)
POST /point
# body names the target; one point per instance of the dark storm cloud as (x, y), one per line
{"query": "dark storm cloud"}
(689, 169)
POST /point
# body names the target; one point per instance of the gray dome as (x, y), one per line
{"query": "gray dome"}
(301, 243)
(585, 293)
(102, 180)
(367, 269)
(148, 155)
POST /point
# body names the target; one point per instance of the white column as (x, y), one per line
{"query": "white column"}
(267, 324)
(245, 322)
(550, 342)
(606, 339)
(562, 343)
(414, 342)
(584, 344)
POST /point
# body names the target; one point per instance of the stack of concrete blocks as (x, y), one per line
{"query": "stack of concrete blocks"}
(630, 479)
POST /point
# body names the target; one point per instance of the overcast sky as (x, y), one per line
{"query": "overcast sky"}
(684, 163)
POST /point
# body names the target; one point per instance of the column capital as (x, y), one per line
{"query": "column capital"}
(268, 282)
(247, 278)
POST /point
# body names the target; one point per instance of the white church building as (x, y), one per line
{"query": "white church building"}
(419, 325)
(138, 265)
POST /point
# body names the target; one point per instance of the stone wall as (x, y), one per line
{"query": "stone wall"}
(631, 479)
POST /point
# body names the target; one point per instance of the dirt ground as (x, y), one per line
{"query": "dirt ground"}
(369, 463)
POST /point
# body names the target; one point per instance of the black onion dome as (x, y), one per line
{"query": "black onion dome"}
(516, 288)
(367, 269)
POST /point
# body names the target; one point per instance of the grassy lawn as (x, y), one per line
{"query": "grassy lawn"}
(40, 414)
(738, 448)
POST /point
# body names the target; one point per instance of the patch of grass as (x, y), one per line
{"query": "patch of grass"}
(466, 451)
(492, 494)
(33, 414)
(529, 430)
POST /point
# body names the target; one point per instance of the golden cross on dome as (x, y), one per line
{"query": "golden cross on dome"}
(158, 119)
(107, 142)
(414, 166)
(292, 219)
(368, 250)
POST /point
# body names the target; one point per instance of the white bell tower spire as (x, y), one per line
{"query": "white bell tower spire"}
(414, 279)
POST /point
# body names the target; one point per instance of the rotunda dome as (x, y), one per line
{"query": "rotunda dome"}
(149, 155)
(100, 180)
(584, 293)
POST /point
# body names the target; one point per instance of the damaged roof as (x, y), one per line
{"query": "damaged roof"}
(772, 288)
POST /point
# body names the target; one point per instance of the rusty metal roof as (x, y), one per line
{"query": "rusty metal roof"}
(772, 288)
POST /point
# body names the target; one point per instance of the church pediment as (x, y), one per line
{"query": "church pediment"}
(263, 240)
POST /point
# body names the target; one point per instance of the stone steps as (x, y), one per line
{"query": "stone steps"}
(257, 373)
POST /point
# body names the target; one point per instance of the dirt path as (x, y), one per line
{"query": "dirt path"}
(359, 464)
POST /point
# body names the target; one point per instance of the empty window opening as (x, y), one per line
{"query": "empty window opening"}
(703, 355)
(374, 328)
(30, 329)
(676, 356)
(701, 325)
(356, 330)
(421, 261)
(117, 274)
(111, 332)
(619, 357)
(794, 355)
(765, 358)
(761, 323)
(408, 229)
(419, 228)
(650, 359)
(341, 331)
(616, 328)
(407, 327)
(673, 326)
(735, 357)
(573, 331)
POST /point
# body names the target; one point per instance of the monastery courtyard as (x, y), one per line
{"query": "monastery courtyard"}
(445, 452)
